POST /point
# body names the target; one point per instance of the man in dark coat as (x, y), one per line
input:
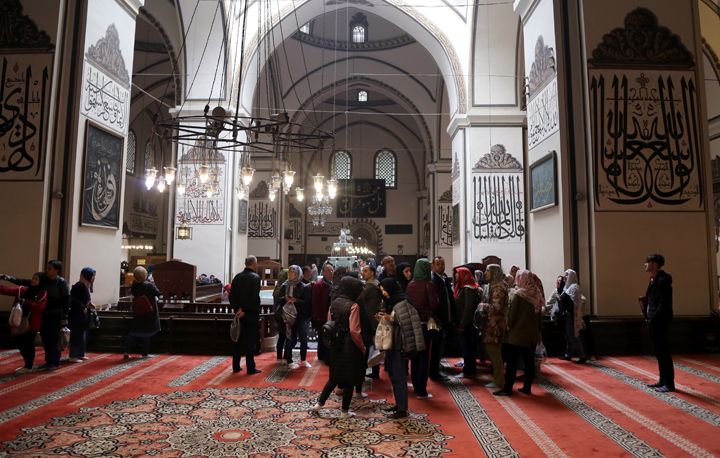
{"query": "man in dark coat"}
(657, 308)
(444, 315)
(245, 301)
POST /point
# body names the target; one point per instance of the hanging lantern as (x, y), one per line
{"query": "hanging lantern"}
(184, 231)
(299, 194)
(204, 173)
(150, 175)
(332, 188)
(240, 192)
(272, 195)
(288, 178)
(247, 175)
(170, 175)
(276, 181)
(180, 188)
(318, 181)
(161, 184)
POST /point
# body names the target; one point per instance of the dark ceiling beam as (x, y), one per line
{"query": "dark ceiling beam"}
(150, 47)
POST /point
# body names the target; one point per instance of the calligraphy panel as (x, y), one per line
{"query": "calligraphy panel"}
(195, 206)
(104, 99)
(330, 228)
(445, 226)
(361, 198)
(498, 209)
(543, 183)
(102, 178)
(543, 114)
(262, 221)
(242, 216)
(646, 140)
(24, 102)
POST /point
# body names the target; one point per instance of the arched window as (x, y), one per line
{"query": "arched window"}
(362, 96)
(149, 159)
(386, 168)
(130, 148)
(359, 34)
(341, 165)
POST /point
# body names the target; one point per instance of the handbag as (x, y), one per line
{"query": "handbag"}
(384, 336)
(375, 356)
(141, 305)
(64, 339)
(432, 325)
(235, 328)
(16, 314)
(23, 328)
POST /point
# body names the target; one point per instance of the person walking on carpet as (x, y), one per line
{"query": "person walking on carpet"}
(146, 314)
(33, 298)
(347, 354)
(657, 307)
(79, 316)
(245, 302)
(494, 307)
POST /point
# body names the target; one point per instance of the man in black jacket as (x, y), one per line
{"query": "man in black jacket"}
(245, 301)
(657, 308)
(444, 316)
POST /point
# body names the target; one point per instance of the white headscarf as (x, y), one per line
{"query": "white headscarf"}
(572, 289)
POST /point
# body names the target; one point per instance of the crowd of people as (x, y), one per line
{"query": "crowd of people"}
(62, 315)
(487, 314)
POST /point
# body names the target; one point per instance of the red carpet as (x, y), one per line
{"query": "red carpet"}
(186, 406)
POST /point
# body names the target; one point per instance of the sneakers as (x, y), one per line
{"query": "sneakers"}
(361, 395)
(84, 358)
(23, 370)
(293, 366)
(305, 364)
(665, 389)
(316, 407)
(655, 385)
(75, 360)
(425, 396)
(346, 414)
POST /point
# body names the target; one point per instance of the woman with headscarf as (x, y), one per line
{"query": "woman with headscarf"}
(79, 316)
(467, 299)
(405, 274)
(34, 298)
(571, 306)
(422, 294)
(146, 313)
(347, 357)
(291, 303)
(494, 306)
(395, 361)
(524, 320)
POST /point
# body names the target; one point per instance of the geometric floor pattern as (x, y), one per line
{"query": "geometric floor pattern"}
(192, 406)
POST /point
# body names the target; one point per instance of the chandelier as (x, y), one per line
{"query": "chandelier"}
(319, 210)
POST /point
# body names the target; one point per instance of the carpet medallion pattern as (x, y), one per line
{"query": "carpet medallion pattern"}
(220, 422)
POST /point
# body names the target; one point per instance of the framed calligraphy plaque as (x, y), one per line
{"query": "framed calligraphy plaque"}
(543, 183)
(361, 198)
(102, 177)
(243, 216)
(24, 102)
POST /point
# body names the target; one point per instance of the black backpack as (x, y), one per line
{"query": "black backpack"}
(330, 333)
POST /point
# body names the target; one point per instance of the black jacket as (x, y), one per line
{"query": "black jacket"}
(300, 293)
(149, 323)
(58, 301)
(659, 299)
(245, 293)
(445, 298)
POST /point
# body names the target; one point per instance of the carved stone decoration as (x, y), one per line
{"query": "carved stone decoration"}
(261, 191)
(642, 41)
(106, 55)
(446, 197)
(497, 159)
(455, 167)
(18, 31)
(543, 67)
(374, 45)
(366, 226)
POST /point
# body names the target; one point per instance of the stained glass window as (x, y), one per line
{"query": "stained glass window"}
(130, 152)
(386, 168)
(358, 34)
(149, 159)
(362, 96)
(341, 165)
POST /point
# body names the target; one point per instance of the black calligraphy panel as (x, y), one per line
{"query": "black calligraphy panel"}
(646, 140)
(361, 198)
(543, 183)
(445, 225)
(262, 221)
(242, 216)
(102, 178)
(499, 212)
(24, 102)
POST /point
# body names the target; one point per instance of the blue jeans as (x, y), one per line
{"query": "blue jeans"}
(420, 367)
(78, 343)
(396, 365)
(299, 332)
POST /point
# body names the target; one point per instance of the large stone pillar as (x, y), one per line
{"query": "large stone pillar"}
(623, 114)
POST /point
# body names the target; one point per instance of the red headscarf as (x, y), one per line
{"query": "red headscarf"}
(463, 277)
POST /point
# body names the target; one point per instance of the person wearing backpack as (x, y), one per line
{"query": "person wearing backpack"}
(79, 316)
(33, 299)
(146, 315)
(347, 357)
(467, 298)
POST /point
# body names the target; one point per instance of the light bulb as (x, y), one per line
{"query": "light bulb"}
(272, 195)
(332, 188)
(240, 192)
(288, 178)
(180, 189)
(161, 184)
(299, 194)
(204, 173)
(247, 175)
(170, 175)
(319, 195)
(150, 175)
(318, 183)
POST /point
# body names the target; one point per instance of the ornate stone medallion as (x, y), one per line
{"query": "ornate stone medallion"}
(228, 422)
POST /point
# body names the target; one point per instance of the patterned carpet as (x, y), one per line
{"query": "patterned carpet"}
(187, 406)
